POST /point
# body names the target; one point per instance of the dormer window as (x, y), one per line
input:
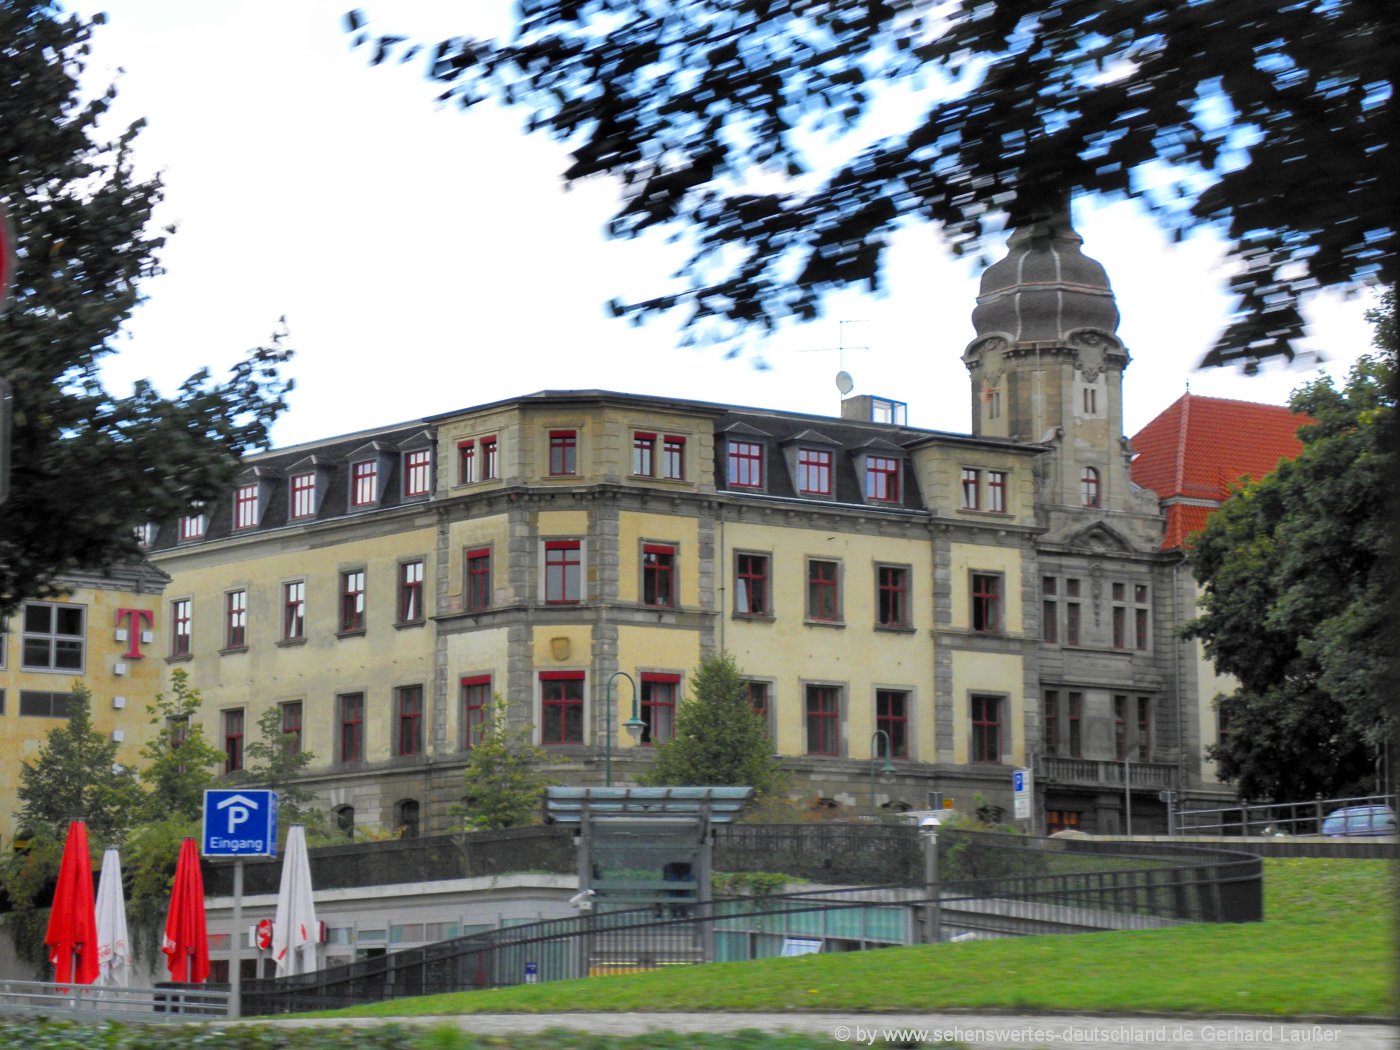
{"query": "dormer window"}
(418, 472)
(364, 483)
(745, 464)
(145, 536)
(882, 478)
(245, 506)
(194, 524)
(814, 471)
(303, 494)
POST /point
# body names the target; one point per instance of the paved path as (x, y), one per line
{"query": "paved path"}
(1012, 1032)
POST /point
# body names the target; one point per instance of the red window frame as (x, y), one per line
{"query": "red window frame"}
(673, 458)
(986, 602)
(563, 572)
(986, 729)
(814, 471)
(892, 716)
(294, 610)
(352, 601)
(418, 472)
(751, 585)
(364, 483)
(476, 708)
(563, 453)
(303, 494)
(759, 700)
(643, 455)
(411, 591)
(489, 462)
(291, 727)
(478, 589)
(352, 726)
(1089, 491)
(182, 626)
(971, 488)
(745, 464)
(561, 708)
(236, 620)
(822, 708)
(245, 506)
(882, 479)
(466, 462)
(658, 706)
(659, 575)
(233, 739)
(408, 715)
(192, 526)
(891, 596)
(996, 491)
(823, 590)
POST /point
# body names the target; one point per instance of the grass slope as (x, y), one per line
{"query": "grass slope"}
(1326, 947)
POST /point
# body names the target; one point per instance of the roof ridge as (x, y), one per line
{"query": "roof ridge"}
(1183, 435)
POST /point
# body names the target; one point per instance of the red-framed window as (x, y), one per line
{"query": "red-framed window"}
(673, 458)
(882, 478)
(1089, 487)
(563, 572)
(563, 453)
(1120, 727)
(364, 483)
(233, 740)
(490, 462)
(986, 602)
(892, 716)
(1076, 725)
(561, 707)
(891, 596)
(418, 472)
(294, 610)
(236, 620)
(352, 601)
(659, 693)
(1050, 727)
(823, 590)
(760, 701)
(303, 494)
(291, 727)
(408, 712)
(643, 455)
(971, 488)
(996, 491)
(192, 526)
(478, 588)
(245, 506)
(986, 728)
(1144, 729)
(751, 584)
(476, 709)
(411, 591)
(181, 626)
(466, 462)
(814, 471)
(745, 459)
(659, 575)
(823, 714)
(352, 727)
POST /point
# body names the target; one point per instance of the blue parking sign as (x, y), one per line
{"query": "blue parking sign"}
(240, 824)
(1018, 780)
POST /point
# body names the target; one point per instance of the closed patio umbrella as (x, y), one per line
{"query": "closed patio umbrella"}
(113, 947)
(186, 940)
(295, 929)
(72, 932)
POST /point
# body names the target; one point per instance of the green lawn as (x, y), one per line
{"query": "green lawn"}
(1327, 946)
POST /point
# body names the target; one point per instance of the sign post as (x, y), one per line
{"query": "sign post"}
(1021, 787)
(238, 824)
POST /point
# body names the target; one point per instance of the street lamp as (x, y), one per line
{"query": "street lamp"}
(886, 770)
(633, 725)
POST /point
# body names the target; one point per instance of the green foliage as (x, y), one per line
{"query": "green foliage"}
(504, 779)
(759, 884)
(148, 864)
(986, 854)
(27, 876)
(748, 127)
(180, 762)
(82, 224)
(720, 741)
(276, 761)
(1295, 597)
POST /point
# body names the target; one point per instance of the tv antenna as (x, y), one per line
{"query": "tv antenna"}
(844, 382)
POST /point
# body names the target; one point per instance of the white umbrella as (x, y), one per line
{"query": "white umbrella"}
(113, 947)
(295, 929)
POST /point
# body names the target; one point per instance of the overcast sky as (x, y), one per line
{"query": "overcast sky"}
(428, 260)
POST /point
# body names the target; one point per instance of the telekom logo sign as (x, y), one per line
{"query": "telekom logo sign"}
(136, 620)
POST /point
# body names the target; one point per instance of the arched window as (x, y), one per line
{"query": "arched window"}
(345, 820)
(406, 818)
(1089, 487)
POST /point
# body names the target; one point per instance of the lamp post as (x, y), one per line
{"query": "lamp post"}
(633, 725)
(886, 770)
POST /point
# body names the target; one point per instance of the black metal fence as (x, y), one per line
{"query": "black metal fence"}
(1001, 885)
(1269, 818)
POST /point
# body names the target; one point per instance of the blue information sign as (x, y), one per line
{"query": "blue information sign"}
(240, 824)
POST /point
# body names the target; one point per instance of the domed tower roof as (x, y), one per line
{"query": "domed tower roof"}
(1045, 289)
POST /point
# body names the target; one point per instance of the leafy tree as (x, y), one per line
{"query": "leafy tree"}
(180, 762)
(720, 740)
(752, 126)
(277, 761)
(83, 244)
(1296, 596)
(76, 776)
(504, 780)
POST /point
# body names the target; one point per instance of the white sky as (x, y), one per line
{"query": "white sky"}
(429, 260)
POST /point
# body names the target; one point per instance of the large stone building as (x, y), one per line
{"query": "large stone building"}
(976, 602)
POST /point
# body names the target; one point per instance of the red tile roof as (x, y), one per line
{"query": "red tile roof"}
(1199, 447)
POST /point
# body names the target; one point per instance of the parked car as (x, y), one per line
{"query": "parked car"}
(1360, 820)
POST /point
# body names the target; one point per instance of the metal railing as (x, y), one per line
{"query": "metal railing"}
(171, 1003)
(1105, 772)
(1269, 818)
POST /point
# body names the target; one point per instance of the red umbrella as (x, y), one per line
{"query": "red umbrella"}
(73, 920)
(186, 938)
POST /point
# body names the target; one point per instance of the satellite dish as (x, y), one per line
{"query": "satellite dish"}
(844, 382)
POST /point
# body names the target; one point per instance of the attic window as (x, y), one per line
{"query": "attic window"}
(364, 483)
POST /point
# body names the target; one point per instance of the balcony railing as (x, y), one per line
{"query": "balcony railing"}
(1102, 772)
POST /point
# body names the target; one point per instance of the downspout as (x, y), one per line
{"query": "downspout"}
(721, 574)
(1176, 675)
